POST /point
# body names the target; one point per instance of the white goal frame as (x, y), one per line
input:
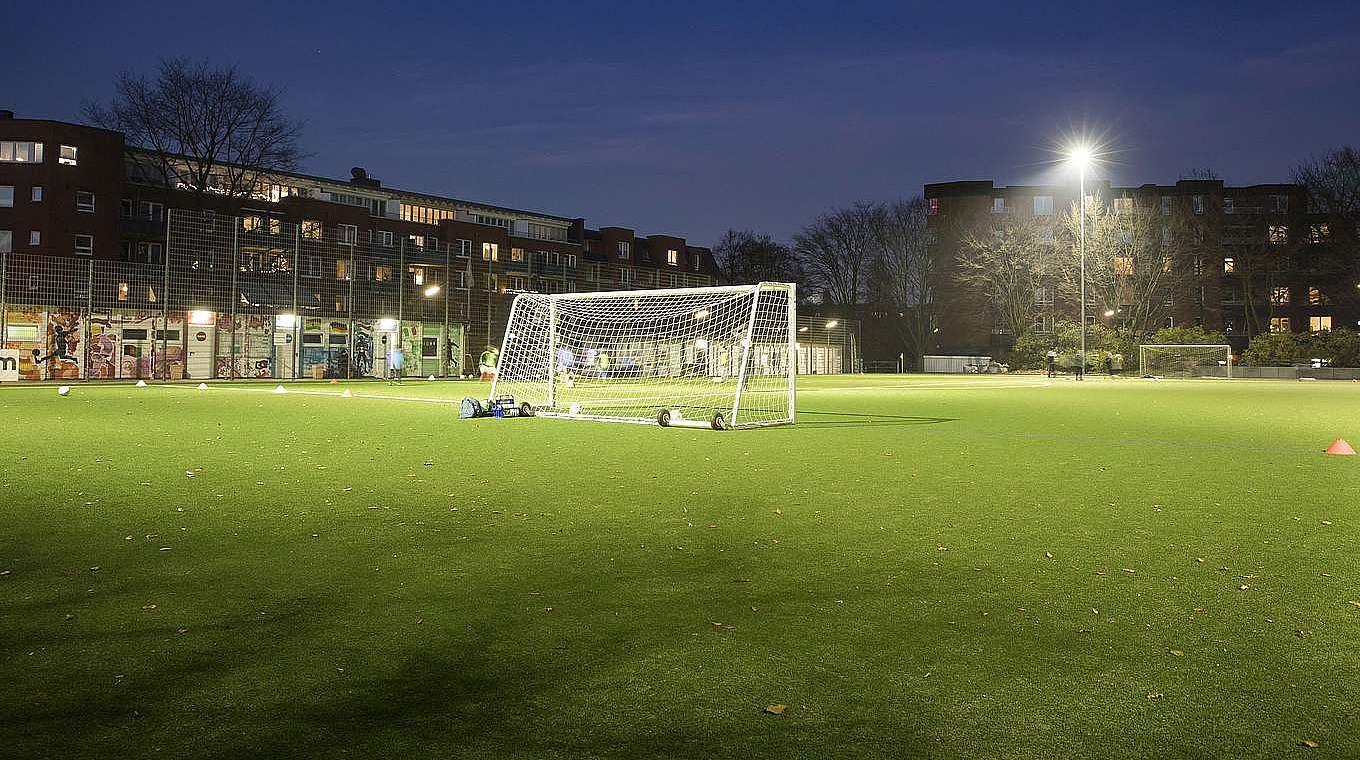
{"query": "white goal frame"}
(702, 323)
(1142, 353)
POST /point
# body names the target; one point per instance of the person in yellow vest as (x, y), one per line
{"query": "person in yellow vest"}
(488, 363)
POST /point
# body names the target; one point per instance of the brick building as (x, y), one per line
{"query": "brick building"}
(111, 271)
(1304, 267)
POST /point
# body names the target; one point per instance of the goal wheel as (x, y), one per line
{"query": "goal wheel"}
(663, 418)
(526, 409)
(719, 423)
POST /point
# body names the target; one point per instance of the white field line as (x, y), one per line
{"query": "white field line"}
(926, 387)
(219, 388)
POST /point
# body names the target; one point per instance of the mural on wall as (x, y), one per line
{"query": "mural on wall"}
(62, 359)
(103, 349)
(248, 337)
(24, 335)
(138, 332)
(410, 346)
(363, 349)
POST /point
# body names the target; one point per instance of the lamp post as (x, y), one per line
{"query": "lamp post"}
(1081, 156)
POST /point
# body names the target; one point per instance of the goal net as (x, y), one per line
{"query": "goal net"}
(711, 357)
(1185, 361)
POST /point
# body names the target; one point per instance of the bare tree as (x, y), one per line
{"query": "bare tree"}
(1201, 173)
(837, 250)
(211, 130)
(746, 258)
(1333, 183)
(1138, 259)
(903, 276)
(1007, 262)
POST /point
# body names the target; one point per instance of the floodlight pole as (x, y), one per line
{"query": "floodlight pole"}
(1081, 201)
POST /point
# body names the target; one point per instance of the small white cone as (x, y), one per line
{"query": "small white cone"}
(430, 378)
(203, 386)
(347, 394)
(141, 383)
(63, 390)
(280, 389)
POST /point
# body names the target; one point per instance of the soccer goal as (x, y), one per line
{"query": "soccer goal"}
(721, 357)
(1185, 360)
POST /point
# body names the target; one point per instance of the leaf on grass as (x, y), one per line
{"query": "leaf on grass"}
(1095, 611)
(1199, 560)
(1177, 653)
(1128, 570)
(1326, 522)
(1243, 587)
(1354, 602)
(779, 511)
(1048, 554)
(775, 709)
(148, 607)
(1309, 743)
(1155, 695)
(182, 631)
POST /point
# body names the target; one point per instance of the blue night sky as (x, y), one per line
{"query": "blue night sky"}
(690, 117)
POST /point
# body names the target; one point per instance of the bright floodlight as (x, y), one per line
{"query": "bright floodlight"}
(387, 325)
(1081, 156)
(832, 323)
(1109, 312)
(432, 291)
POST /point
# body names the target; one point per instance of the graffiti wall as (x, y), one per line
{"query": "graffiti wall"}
(411, 333)
(103, 353)
(363, 348)
(250, 338)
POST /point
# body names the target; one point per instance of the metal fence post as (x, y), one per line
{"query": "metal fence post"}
(297, 319)
(232, 296)
(401, 305)
(4, 292)
(444, 355)
(165, 308)
(89, 314)
(349, 275)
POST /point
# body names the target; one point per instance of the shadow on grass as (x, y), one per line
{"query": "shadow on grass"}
(861, 420)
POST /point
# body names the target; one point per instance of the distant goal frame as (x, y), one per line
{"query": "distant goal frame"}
(1227, 349)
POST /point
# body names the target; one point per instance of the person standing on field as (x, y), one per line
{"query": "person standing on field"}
(488, 363)
(1052, 361)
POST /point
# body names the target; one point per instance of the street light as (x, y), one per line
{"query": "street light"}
(1081, 155)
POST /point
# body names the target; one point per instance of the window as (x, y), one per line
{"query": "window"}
(464, 279)
(673, 257)
(998, 205)
(1279, 296)
(569, 260)
(125, 208)
(1123, 205)
(934, 207)
(68, 155)
(342, 269)
(1278, 234)
(1279, 203)
(311, 266)
(1043, 296)
(36, 194)
(21, 152)
(275, 226)
(35, 237)
(348, 234)
(122, 292)
(385, 238)
(1228, 206)
(1044, 324)
(149, 252)
(311, 229)
(417, 274)
(1123, 265)
(516, 282)
(1197, 204)
(624, 249)
(1229, 325)
(1317, 298)
(1166, 205)
(1229, 265)
(1320, 324)
(1319, 233)
(1043, 205)
(382, 272)
(1279, 324)
(251, 223)
(546, 232)
(517, 254)
(491, 252)
(1199, 266)
(84, 200)
(6, 241)
(152, 210)
(6, 196)
(464, 248)
(625, 274)
(85, 245)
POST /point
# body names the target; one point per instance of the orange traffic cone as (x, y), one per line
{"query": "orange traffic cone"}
(1341, 448)
(334, 381)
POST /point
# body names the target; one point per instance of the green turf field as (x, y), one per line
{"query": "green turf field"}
(922, 567)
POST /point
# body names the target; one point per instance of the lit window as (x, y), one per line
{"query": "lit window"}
(85, 245)
(342, 269)
(21, 152)
(1123, 265)
(1279, 296)
(1320, 324)
(417, 275)
(416, 241)
(1279, 324)
(348, 234)
(491, 252)
(1319, 233)
(624, 249)
(6, 241)
(35, 237)
(382, 272)
(84, 200)
(934, 207)
(1278, 233)
(672, 257)
(275, 226)
(36, 194)
(1229, 264)
(1317, 298)
(517, 254)
(122, 291)
(68, 155)
(251, 223)
(311, 228)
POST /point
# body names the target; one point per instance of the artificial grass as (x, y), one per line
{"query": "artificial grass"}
(933, 567)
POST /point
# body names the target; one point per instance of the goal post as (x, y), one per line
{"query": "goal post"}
(695, 357)
(1189, 360)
